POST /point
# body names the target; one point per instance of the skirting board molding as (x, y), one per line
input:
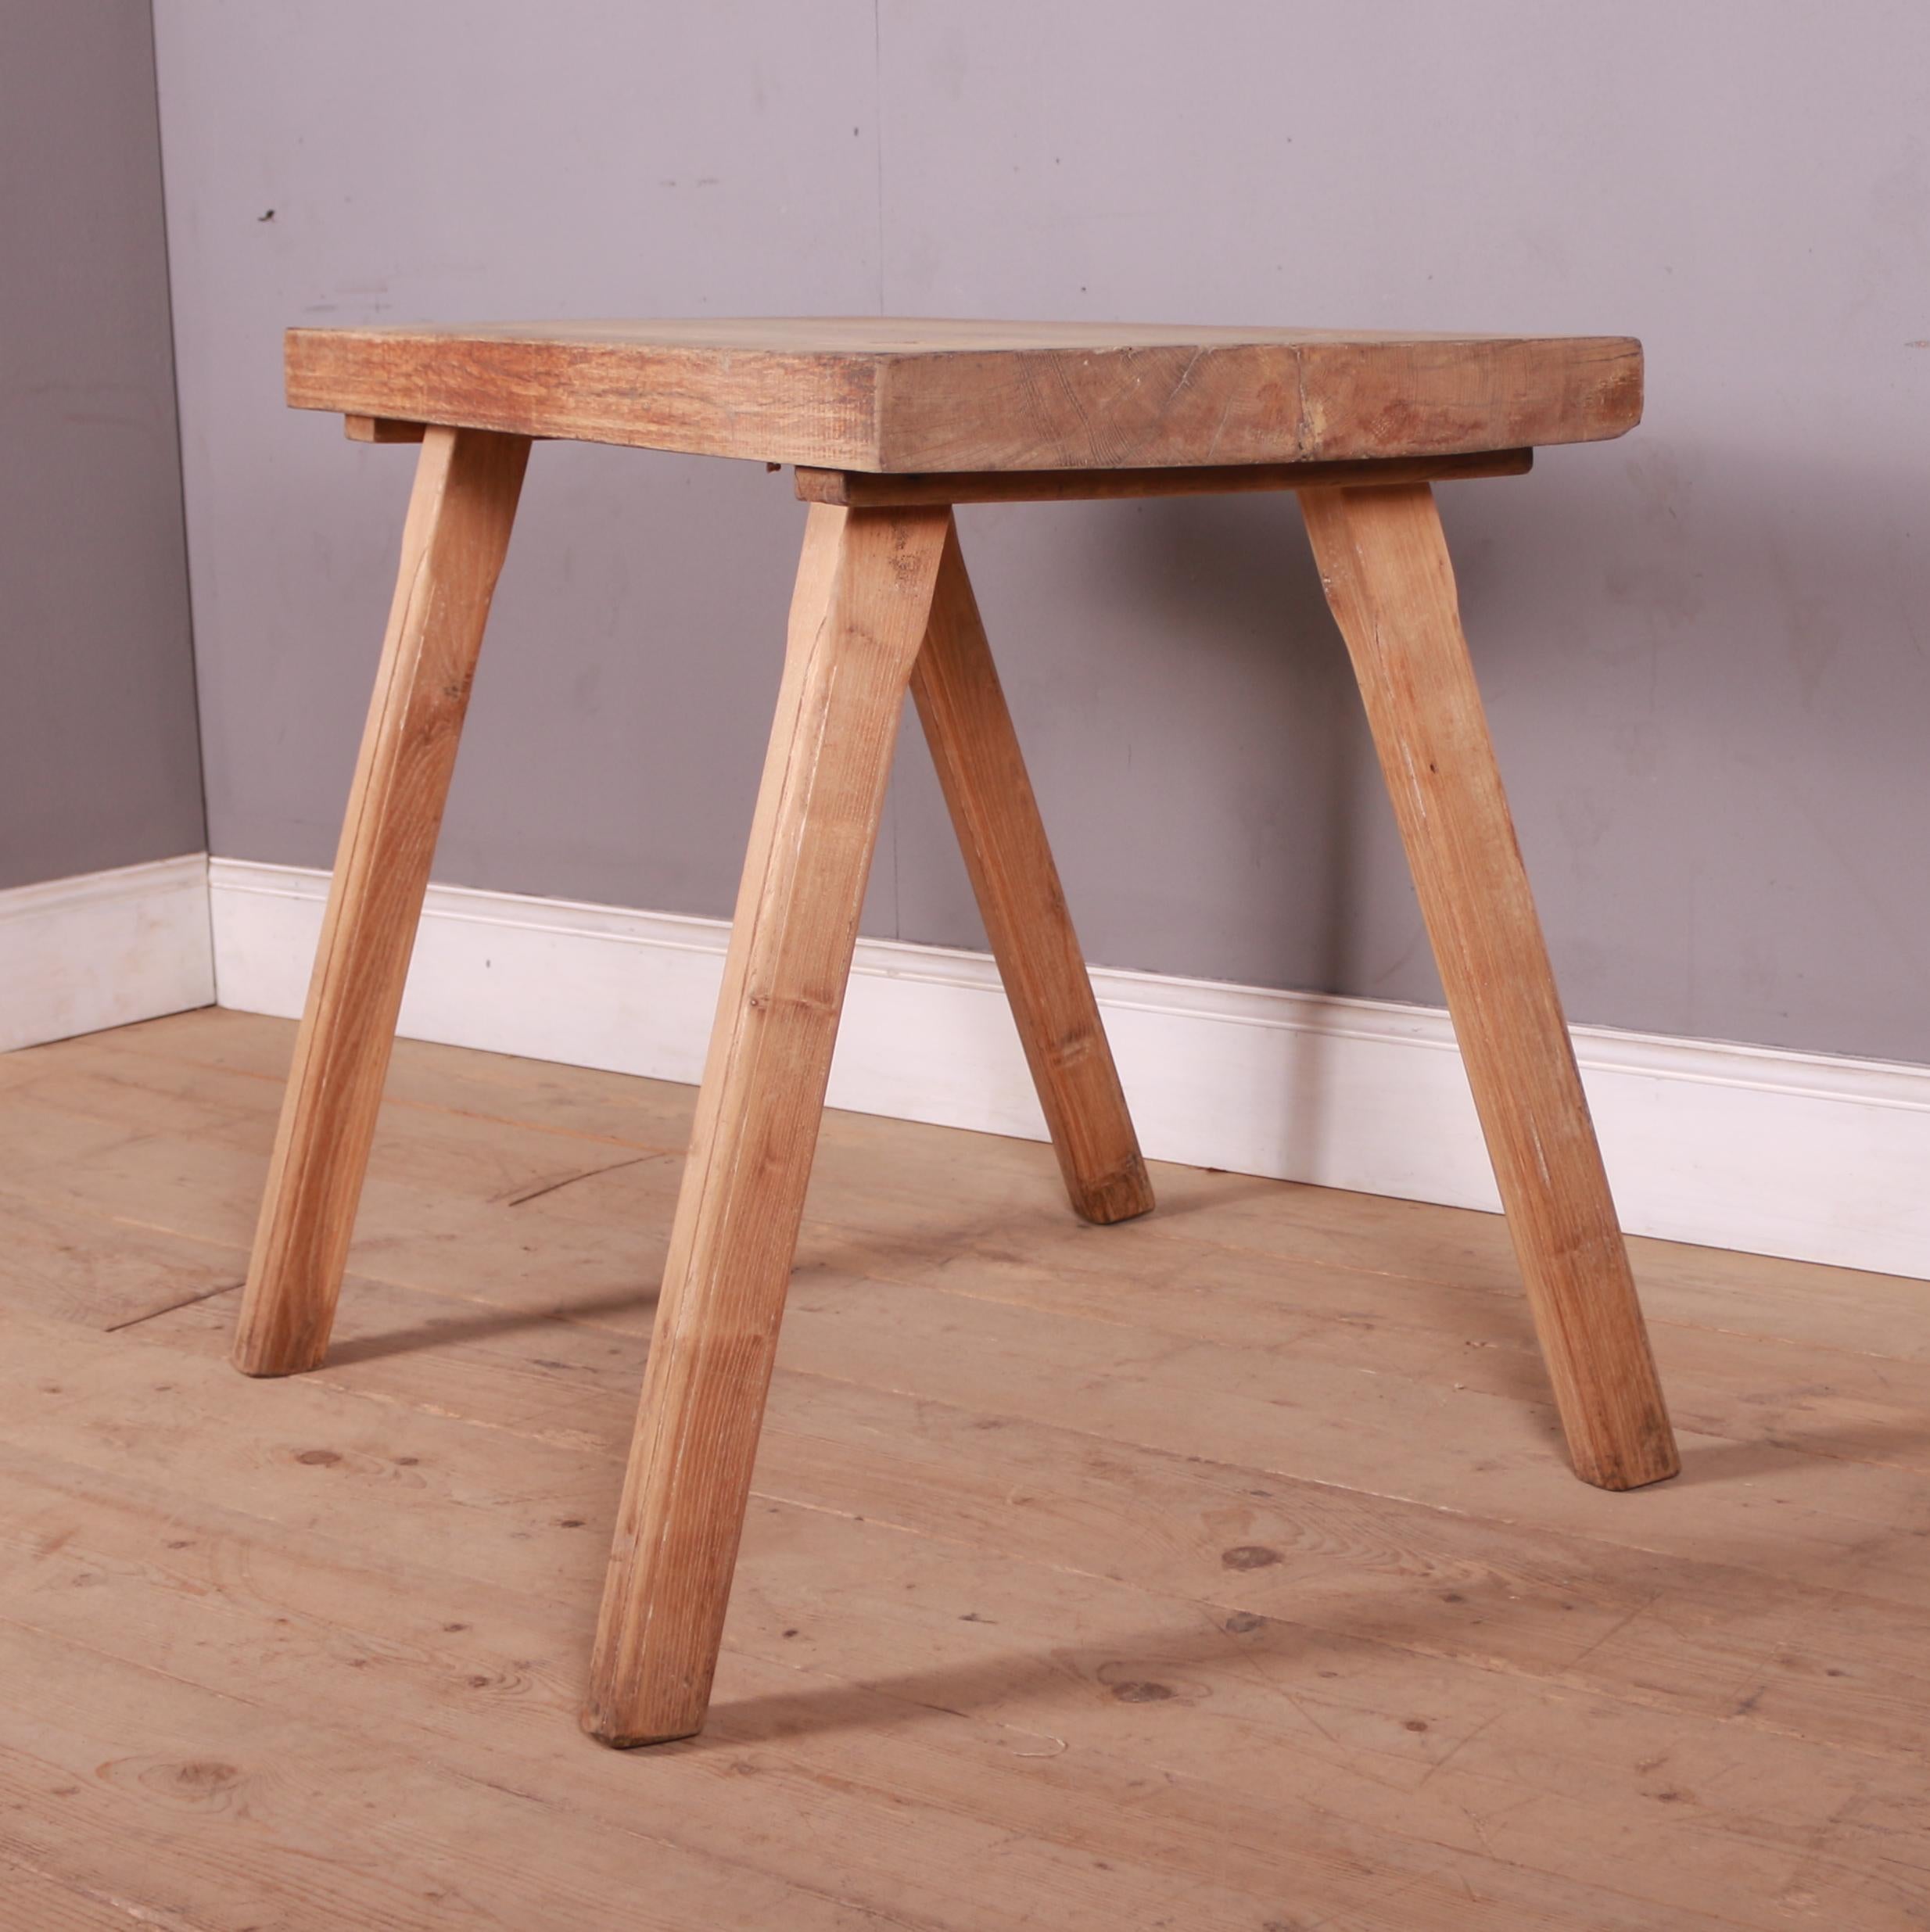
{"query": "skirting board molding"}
(104, 949)
(1775, 1152)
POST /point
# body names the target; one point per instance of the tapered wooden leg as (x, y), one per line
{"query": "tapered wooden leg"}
(1384, 564)
(996, 817)
(864, 590)
(466, 485)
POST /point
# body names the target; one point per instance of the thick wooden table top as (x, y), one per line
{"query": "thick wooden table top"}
(909, 395)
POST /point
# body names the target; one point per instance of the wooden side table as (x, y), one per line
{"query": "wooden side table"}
(890, 424)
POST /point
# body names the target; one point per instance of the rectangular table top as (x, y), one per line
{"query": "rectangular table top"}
(909, 395)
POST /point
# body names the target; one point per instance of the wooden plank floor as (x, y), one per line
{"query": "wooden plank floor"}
(1215, 1570)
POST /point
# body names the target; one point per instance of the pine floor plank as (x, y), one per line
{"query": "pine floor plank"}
(229, 1814)
(1457, 1427)
(1235, 1539)
(29, 1896)
(1351, 1252)
(1217, 1570)
(1412, 1411)
(1745, 1294)
(445, 1179)
(100, 1271)
(1040, 1714)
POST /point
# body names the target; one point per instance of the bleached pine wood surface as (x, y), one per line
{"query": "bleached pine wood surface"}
(1216, 1570)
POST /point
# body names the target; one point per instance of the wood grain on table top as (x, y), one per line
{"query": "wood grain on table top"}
(892, 394)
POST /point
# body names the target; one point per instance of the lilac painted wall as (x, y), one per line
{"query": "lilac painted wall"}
(1704, 647)
(98, 766)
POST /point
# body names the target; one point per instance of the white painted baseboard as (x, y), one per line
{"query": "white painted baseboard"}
(104, 949)
(1776, 1152)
